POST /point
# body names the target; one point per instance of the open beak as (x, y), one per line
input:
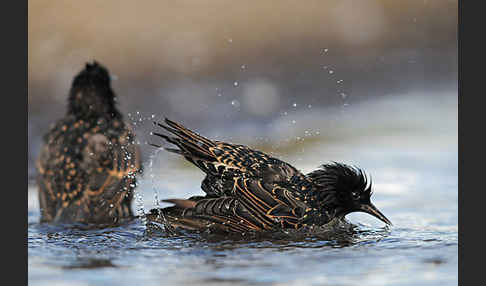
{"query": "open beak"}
(372, 210)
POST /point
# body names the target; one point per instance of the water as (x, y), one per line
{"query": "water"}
(409, 146)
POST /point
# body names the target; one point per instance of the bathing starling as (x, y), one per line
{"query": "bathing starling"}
(87, 166)
(248, 190)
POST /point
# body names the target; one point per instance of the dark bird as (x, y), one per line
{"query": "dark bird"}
(87, 167)
(248, 190)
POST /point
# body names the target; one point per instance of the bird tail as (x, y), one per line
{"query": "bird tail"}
(191, 144)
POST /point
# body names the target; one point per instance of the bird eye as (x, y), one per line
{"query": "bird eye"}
(355, 195)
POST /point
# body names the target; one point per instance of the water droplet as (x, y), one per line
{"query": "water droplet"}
(153, 115)
(309, 106)
(293, 121)
(235, 103)
(295, 104)
(235, 83)
(243, 67)
(331, 71)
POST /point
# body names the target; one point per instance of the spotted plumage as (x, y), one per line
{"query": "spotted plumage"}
(248, 190)
(88, 164)
(222, 161)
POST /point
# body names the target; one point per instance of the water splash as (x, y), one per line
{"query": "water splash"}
(323, 51)
(160, 215)
(152, 175)
(140, 206)
(235, 103)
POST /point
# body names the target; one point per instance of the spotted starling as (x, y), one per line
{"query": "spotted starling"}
(87, 167)
(248, 190)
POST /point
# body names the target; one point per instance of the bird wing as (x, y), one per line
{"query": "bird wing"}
(255, 206)
(270, 203)
(218, 214)
(218, 158)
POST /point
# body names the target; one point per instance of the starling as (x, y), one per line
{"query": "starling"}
(87, 167)
(250, 191)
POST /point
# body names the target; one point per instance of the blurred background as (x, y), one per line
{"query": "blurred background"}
(277, 77)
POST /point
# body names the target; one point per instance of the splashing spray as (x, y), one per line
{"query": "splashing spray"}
(160, 215)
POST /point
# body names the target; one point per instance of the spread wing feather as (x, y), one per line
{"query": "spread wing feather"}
(222, 162)
(274, 203)
(254, 207)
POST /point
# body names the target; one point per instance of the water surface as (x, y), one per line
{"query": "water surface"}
(409, 146)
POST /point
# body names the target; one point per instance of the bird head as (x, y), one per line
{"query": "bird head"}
(343, 189)
(91, 93)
